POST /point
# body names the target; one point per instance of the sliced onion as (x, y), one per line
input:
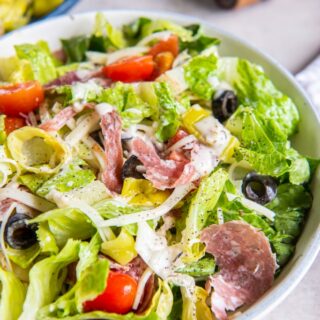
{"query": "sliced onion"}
(5, 219)
(162, 35)
(26, 198)
(83, 128)
(141, 285)
(177, 195)
(259, 209)
(65, 200)
(181, 143)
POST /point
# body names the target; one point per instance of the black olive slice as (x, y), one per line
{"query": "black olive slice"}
(129, 168)
(259, 188)
(18, 234)
(224, 104)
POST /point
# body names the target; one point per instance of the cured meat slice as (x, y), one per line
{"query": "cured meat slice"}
(111, 130)
(162, 173)
(59, 120)
(247, 265)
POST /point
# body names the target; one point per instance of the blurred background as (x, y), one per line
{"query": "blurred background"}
(288, 30)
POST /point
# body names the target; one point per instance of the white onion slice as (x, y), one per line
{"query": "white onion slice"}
(181, 143)
(26, 198)
(141, 285)
(177, 195)
(83, 128)
(259, 209)
(5, 219)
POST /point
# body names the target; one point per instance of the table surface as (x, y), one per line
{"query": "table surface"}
(289, 30)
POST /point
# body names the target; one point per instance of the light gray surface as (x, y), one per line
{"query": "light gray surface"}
(289, 30)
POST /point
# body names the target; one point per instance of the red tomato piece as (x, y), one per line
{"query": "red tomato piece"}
(171, 44)
(20, 98)
(180, 134)
(130, 69)
(12, 124)
(118, 297)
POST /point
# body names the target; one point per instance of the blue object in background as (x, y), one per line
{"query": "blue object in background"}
(63, 8)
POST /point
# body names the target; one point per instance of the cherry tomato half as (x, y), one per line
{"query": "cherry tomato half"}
(20, 97)
(118, 297)
(171, 44)
(12, 124)
(130, 69)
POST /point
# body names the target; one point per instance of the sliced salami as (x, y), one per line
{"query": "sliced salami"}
(247, 265)
(59, 120)
(111, 130)
(162, 173)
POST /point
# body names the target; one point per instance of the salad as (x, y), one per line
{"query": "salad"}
(143, 176)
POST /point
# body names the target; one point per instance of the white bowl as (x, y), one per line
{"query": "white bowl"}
(307, 141)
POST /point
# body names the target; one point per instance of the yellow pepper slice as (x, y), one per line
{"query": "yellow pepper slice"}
(142, 192)
(121, 249)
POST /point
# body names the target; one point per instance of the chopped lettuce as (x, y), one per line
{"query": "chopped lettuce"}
(12, 295)
(24, 258)
(74, 175)
(197, 73)
(169, 112)
(75, 48)
(204, 267)
(164, 25)
(13, 69)
(66, 223)
(42, 62)
(105, 35)
(46, 239)
(202, 203)
(46, 279)
(133, 31)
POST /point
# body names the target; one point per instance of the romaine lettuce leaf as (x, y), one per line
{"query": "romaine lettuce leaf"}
(75, 48)
(15, 70)
(46, 239)
(105, 36)
(133, 31)
(46, 279)
(66, 223)
(197, 73)
(168, 112)
(202, 204)
(12, 295)
(162, 25)
(74, 175)
(24, 258)
(3, 134)
(202, 268)
(256, 90)
(42, 62)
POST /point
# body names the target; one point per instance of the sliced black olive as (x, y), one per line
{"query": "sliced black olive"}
(129, 168)
(259, 188)
(18, 234)
(224, 104)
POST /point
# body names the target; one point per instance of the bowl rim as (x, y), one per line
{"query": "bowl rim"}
(267, 302)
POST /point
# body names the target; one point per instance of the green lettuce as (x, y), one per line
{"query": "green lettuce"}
(46, 279)
(267, 150)
(168, 112)
(130, 105)
(3, 134)
(202, 204)
(133, 31)
(66, 223)
(75, 48)
(163, 25)
(13, 69)
(75, 175)
(202, 268)
(197, 72)
(46, 239)
(12, 295)
(256, 90)
(107, 34)
(24, 258)
(42, 62)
